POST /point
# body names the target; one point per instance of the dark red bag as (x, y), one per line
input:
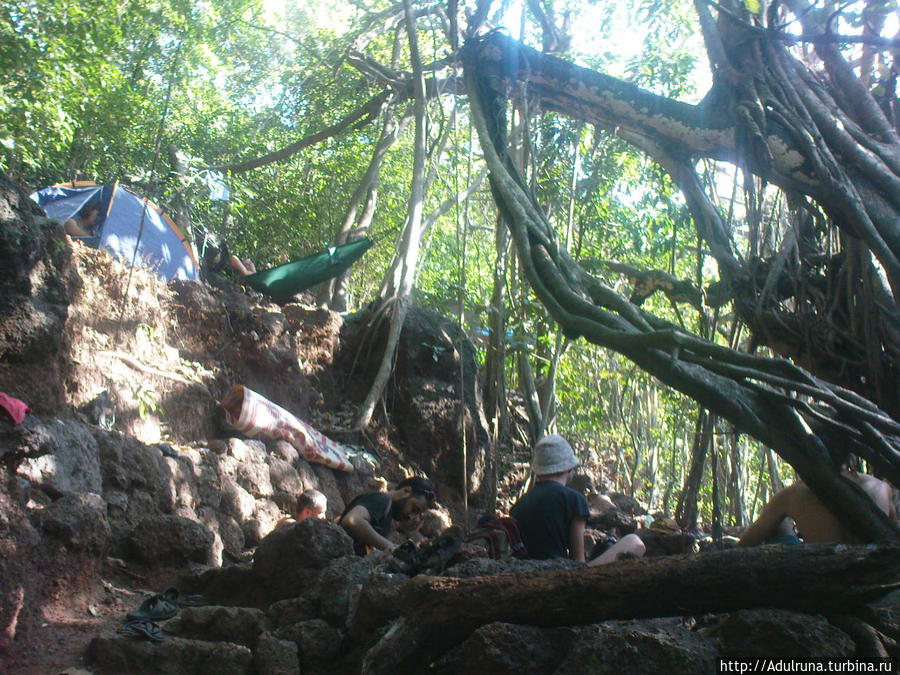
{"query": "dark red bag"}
(501, 538)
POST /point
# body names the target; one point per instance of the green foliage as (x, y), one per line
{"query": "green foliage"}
(83, 90)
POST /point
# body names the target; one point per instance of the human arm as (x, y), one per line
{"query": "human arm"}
(769, 520)
(74, 228)
(358, 524)
(576, 539)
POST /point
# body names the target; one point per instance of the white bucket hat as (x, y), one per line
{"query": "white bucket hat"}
(553, 454)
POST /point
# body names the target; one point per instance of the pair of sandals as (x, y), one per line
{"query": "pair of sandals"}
(142, 622)
(143, 629)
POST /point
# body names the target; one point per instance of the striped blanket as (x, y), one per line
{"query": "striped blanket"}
(255, 415)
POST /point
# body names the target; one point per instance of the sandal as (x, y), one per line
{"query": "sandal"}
(158, 607)
(143, 629)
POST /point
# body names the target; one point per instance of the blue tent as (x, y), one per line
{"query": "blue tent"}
(163, 247)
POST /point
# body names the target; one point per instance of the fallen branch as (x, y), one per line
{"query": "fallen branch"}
(440, 612)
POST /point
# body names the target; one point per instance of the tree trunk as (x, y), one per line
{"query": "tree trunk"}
(440, 612)
(411, 239)
(686, 512)
(334, 292)
(496, 406)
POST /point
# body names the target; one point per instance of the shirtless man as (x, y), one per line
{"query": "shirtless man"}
(815, 523)
(82, 223)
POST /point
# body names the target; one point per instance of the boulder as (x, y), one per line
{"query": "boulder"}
(287, 503)
(339, 580)
(236, 501)
(329, 487)
(613, 521)
(376, 603)
(884, 614)
(235, 447)
(241, 625)
(312, 543)
(182, 472)
(38, 282)
(628, 504)
(508, 648)
(600, 503)
(231, 535)
(31, 439)
(284, 451)
(779, 633)
(206, 476)
(307, 474)
(275, 657)
(253, 476)
(652, 646)
(364, 463)
(283, 476)
(256, 451)
(170, 539)
(130, 466)
(73, 463)
(290, 558)
(266, 515)
(124, 512)
(293, 610)
(113, 655)
(78, 520)
(318, 644)
(229, 585)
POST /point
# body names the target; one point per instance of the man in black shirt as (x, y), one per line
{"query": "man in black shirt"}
(369, 517)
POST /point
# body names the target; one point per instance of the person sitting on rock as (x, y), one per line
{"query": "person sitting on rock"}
(815, 524)
(310, 504)
(551, 517)
(82, 223)
(370, 516)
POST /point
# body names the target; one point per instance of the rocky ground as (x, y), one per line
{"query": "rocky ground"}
(124, 480)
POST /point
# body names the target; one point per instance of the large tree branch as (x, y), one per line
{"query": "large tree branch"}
(585, 307)
(767, 119)
(358, 118)
(590, 96)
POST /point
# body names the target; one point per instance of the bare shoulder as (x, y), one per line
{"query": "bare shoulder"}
(881, 492)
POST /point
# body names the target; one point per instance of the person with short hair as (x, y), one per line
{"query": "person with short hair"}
(815, 524)
(368, 519)
(310, 504)
(552, 517)
(82, 223)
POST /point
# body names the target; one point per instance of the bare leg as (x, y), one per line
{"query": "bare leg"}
(630, 543)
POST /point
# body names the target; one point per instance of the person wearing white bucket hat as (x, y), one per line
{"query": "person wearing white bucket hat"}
(551, 517)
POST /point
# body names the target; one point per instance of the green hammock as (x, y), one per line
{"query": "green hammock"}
(286, 280)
